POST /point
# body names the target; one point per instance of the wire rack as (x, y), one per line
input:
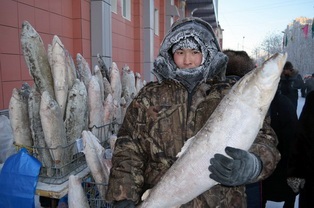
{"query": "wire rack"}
(58, 172)
(93, 196)
(74, 160)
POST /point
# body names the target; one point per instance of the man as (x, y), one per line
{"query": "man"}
(309, 85)
(290, 83)
(190, 70)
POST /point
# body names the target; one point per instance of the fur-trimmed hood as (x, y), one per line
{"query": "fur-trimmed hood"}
(215, 61)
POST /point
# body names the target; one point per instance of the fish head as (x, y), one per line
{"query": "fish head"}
(269, 77)
(79, 58)
(272, 68)
(56, 41)
(261, 83)
(16, 94)
(28, 30)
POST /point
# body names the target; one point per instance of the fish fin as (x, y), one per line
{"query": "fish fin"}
(185, 146)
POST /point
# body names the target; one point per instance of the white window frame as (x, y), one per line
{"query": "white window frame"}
(126, 9)
(156, 21)
(114, 6)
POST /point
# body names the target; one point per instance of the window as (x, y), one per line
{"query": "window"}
(114, 6)
(126, 9)
(156, 22)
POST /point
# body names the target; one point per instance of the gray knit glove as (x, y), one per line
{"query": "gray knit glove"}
(242, 168)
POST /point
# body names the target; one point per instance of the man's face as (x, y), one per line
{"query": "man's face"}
(287, 72)
(187, 58)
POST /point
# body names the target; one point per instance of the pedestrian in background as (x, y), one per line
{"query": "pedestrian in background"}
(290, 83)
(309, 85)
(284, 122)
(301, 160)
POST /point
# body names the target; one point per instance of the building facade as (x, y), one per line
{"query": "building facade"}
(127, 32)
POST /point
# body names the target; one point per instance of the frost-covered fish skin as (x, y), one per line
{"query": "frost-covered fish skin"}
(36, 58)
(128, 84)
(53, 127)
(76, 195)
(71, 68)
(97, 73)
(76, 114)
(107, 87)
(115, 82)
(37, 131)
(95, 106)
(103, 67)
(83, 69)
(138, 82)
(248, 101)
(108, 116)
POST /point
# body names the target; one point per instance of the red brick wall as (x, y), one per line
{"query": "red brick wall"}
(69, 19)
(127, 37)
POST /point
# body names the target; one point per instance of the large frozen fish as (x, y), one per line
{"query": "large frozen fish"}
(248, 101)
(138, 82)
(128, 84)
(76, 114)
(97, 73)
(53, 127)
(76, 195)
(95, 106)
(103, 67)
(71, 68)
(123, 108)
(83, 69)
(36, 58)
(94, 154)
(37, 131)
(59, 72)
(107, 87)
(109, 110)
(18, 111)
(115, 82)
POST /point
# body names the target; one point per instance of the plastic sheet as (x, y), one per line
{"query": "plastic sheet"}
(18, 180)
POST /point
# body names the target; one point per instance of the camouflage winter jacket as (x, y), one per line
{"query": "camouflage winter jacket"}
(157, 123)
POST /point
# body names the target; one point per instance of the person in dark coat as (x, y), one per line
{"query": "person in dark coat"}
(301, 161)
(309, 85)
(290, 83)
(284, 122)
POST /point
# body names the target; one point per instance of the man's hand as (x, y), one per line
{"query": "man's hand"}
(124, 204)
(241, 168)
(296, 184)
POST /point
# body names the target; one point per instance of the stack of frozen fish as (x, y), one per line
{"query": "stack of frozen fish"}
(66, 99)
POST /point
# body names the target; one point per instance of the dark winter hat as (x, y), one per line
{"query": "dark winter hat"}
(288, 65)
